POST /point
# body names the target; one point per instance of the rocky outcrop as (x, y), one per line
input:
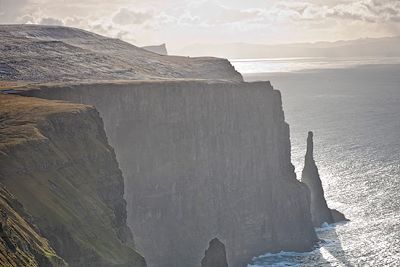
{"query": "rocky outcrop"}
(337, 216)
(159, 49)
(21, 243)
(201, 159)
(310, 176)
(70, 54)
(55, 159)
(215, 255)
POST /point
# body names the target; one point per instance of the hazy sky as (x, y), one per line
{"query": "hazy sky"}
(182, 22)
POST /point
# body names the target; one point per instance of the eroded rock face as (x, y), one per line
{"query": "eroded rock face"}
(202, 159)
(215, 255)
(21, 244)
(310, 176)
(55, 159)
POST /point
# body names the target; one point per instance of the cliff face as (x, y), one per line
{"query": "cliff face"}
(215, 255)
(55, 159)
(319, 208)
(20, 242)
(201, 159)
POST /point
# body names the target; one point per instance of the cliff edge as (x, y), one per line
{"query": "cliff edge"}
(201, 159)
(203, 153)
(55, 159)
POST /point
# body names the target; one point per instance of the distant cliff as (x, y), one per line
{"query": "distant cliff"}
(319, 209)
(201, 159)
(56, 161)
(159, 49)
(366, 47)
(38, 53)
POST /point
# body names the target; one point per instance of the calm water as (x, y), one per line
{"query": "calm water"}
(354, 112)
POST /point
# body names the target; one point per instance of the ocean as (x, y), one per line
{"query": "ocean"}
(353, 108)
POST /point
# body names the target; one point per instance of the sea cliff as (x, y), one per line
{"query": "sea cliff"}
(56, 161)
(201, 159)
(202, 153)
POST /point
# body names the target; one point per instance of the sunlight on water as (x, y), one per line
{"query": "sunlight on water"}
(272, 65)
(354, 113)
(328, 256)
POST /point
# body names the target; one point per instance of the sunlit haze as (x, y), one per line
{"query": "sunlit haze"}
(209, 133)
(182, 22)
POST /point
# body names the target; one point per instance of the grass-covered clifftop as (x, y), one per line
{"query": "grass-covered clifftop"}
(39, 53)
(55, 159)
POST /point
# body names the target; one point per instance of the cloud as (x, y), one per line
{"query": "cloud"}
(209, 13)
(224, 15)
(128, 17)
(186, 21)
(11, 9)
(371, 11)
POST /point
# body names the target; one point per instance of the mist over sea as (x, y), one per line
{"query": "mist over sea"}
(353, 107)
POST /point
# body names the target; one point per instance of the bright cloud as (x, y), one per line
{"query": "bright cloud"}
(181, 22)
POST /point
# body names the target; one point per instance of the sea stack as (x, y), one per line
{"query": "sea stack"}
(320, 211)
(215, 255)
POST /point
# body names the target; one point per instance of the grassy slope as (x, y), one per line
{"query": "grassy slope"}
(69, 54)
(53, 156)
(20, 242)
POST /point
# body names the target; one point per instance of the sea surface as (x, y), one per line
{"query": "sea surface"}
(353, 107)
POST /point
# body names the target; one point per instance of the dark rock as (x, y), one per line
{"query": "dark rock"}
(320, 211)
(337, 216)
(215, 255)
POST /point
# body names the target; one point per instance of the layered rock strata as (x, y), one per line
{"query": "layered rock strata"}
(201, 159)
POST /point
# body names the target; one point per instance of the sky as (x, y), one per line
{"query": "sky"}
(183, 22)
